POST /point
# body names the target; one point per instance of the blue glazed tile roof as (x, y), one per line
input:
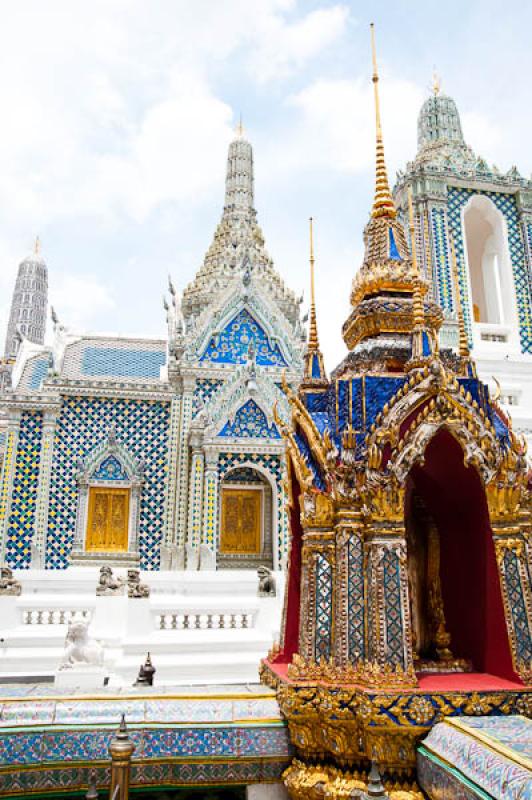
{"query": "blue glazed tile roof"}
(34, 372)
(131, 359)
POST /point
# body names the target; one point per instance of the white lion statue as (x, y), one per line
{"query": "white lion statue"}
(80, 649)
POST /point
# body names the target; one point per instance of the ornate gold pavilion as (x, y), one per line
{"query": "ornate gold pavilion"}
(408, 595)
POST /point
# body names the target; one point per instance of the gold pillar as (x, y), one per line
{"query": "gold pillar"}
(120, 749)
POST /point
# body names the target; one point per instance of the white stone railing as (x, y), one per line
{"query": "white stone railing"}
(54, 616)
(186, 620)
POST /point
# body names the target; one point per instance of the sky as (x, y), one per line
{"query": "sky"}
(117, 114)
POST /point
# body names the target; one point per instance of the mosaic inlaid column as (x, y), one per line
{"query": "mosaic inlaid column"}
(209, 534)
(195, 501)
(388, 634)
(317, 599)
(182, 492)
(517, 597)
(38, 550)
(6, 481)
(350, 611)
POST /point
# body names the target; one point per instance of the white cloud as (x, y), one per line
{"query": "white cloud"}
(337, 123)
(283, 47)
(79, 299)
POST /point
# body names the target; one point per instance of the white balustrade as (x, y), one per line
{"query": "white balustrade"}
(186, 620)
(54, 616)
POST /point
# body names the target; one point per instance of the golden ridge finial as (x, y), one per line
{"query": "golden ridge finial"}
(313, 324)
(418, 310)
(463, 341)
(383, 204)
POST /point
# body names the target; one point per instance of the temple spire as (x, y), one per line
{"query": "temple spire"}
(239, 176)
(314, 366)
(383, 205)
(313, 325)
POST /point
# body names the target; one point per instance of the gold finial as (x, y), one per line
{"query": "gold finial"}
(436, 83)
(313, 325)
(418, 310)
(239, 128)
(383, 205)
(463, 341)
(37, 246)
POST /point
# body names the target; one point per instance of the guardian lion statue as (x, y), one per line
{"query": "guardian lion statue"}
(267, 587)
(80, 649)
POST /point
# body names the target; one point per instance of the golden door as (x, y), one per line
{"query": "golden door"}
(241, 516)
(107, 527)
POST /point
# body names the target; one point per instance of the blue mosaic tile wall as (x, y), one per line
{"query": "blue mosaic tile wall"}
(505, 203)
(250, 421)
(205, 389)
(24, 491)
(142, 427)
(443, 278)
(122, 363)
(232, 344)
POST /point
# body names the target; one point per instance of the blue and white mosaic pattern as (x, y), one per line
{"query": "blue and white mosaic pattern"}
(250, 421)
(142, 428)
(24, 491)
(110, 470)
(232, 345)
(204, 390)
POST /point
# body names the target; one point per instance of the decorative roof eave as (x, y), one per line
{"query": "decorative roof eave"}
(297, 459)
(234, 299)
(320, 446)
(371, 319)
(226, 402)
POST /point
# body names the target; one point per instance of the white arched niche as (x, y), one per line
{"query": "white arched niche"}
(492, 297)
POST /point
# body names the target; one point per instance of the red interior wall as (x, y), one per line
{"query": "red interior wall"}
(455, 498)
(293, 594)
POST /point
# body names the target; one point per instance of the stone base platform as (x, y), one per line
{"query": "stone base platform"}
(51, 739)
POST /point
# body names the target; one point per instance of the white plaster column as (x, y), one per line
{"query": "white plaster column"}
(8, 472)
(195, 500)
(209, 534)
(182, 486)
(38, 550)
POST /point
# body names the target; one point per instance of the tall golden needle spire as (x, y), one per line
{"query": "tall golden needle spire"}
(240, 127)
(37, 246)
(313, 325)
(383, 205)
(463, 341)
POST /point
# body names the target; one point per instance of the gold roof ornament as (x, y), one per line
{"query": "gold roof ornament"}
(314, 366)
(37, 246)
(239, 130)
(383, 204)
(383, 289)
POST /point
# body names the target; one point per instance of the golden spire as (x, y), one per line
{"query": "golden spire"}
(383, 205)
(239, 130)
(37, 246)
(463, 341)
(313, 325)
(436, 83)
(418, 311)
